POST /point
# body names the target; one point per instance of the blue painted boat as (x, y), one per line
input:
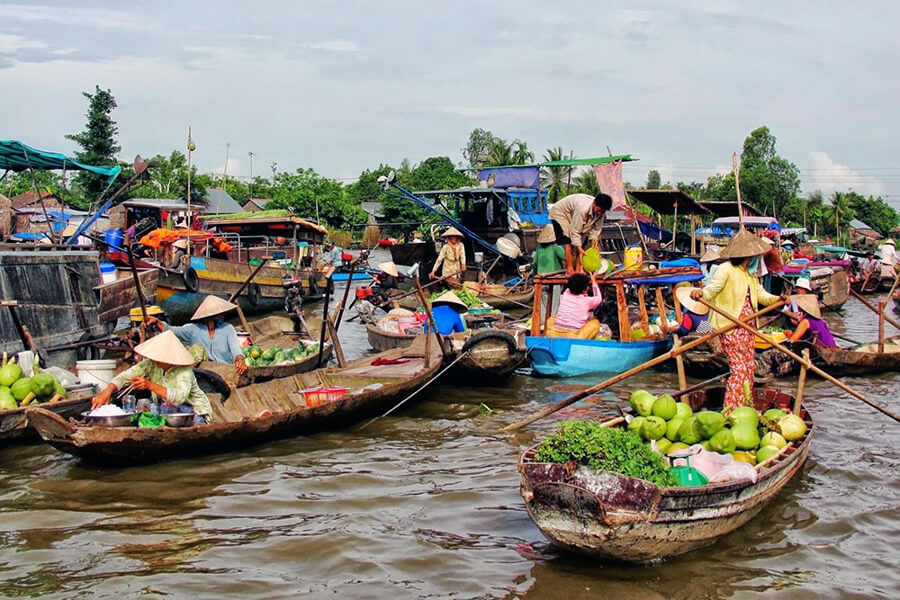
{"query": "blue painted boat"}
(357, 276)
(570, 357)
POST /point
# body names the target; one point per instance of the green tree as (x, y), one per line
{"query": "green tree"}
(874, 212)
(839, 213)
(654, 181)
(500, 154)
(167, 178)
(768, 181)
(586, 183)
(309, 194)
(478, 148)
(555, 178)
(98, 143)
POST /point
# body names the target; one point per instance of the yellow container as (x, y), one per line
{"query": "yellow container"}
(778, 336)
(634, 256)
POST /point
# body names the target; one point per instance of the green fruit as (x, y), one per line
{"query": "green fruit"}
(7, 401)
(706, 445)
(677, 447)
(722, 442)
(653, 428)
(9, 374)
(255, 352)
(745, 457)
(773, 438)
(683, 410)
(673, 426)
(710, 422)
(635, 425)
(43, 385)
(744, 415)
(642, 402)
(689, 432)
(21, 388)
(792, 427)
(662, 445)
(664, 407)
(591, 260)
(765, 453)
(745, 437)
(773, 414)
(60, 390)
(192, 146)
(251, 362)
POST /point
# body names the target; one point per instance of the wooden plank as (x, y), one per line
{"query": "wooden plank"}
(624, 324)
(642, 305)
(338, 351)
(536, 309)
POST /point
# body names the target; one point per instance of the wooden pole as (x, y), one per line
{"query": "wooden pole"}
(801, 383)
(868, 305)
(536, 308)
(800, 360)
(324, 322)
(881, 327)
(137, 285)
(431, 322)
(661, 307)
(624, 324)
(679, 363)
(340, 315)
(642, 306)
(737, 185)
(549, 410)
(338, 350)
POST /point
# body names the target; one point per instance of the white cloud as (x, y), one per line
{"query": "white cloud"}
(11, 44)
(67, 15)
(336, 46)
(828, 176)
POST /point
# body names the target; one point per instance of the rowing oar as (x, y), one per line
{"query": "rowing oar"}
(801, 361)
(549, 410)
(701, 385)
(868, 305)
(846, 339)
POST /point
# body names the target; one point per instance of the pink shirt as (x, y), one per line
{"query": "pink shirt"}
(575, 310)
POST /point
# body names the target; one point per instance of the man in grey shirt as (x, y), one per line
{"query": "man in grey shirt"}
(578, 219)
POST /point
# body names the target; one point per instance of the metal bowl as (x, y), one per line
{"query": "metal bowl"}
(111, 421)
(179, 419)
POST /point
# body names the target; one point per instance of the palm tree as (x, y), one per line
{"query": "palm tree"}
(500, 154)
(554, 177)
(586, 182)
(521, 155)
(840, 212)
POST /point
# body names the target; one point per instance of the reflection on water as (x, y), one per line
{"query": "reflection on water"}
(425, 503)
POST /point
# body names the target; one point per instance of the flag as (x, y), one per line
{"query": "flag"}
(609, 178)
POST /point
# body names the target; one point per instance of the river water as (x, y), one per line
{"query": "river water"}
(425, 504)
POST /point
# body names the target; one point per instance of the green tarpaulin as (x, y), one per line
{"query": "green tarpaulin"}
(16, 156)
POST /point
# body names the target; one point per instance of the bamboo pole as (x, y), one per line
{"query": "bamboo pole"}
(868, 305)
(679, 364)
(340, 316)
(881, 327)
(800, 360)
(549, 410)
(801, 383)
(431, 322)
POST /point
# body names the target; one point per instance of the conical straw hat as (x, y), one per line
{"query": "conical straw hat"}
(389, 267)
(452, 231)
(744, 244)
(547, 235)
(808, 303)
(212, 306)
(711, 254)
(165, 348)
(684, 297)
(451, 299)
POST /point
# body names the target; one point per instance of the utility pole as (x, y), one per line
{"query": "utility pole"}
(274, 167)
(250, 191)
(225, 168)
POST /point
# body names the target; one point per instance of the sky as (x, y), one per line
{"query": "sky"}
(340, 87)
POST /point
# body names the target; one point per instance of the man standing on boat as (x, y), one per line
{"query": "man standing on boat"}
(578, 219)
(209, 330)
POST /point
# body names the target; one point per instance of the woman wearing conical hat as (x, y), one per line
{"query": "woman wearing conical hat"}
(166, 371)
(735, 290)
(210, 331)
(808, 323)
(452, 256)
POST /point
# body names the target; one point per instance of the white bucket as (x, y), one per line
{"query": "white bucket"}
(100, 372)
(479, 258)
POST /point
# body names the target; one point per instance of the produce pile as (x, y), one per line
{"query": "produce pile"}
(18, 390)
(743, 432)
(464, 294)
(255, 356)
(605, 448)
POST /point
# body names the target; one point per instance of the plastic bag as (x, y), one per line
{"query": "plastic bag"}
(718, 467)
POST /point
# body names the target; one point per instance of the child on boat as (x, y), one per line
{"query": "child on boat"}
(694, 316)
(575, 316)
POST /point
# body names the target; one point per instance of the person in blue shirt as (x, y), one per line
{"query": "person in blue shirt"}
(333, 255)
(209, 330)
(447, 311)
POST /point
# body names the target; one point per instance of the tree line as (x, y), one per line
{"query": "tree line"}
(769, 182)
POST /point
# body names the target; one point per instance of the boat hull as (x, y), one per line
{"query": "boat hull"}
(570, 357)
(14, 427)
(384, 340)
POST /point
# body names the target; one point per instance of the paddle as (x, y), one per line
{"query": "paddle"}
(800, 360)
(549, 410)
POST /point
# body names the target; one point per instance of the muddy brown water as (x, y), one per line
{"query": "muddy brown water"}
(425, 503)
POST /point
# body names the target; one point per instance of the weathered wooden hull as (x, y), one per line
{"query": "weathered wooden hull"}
(611, 516)
(385, 340)
(14, 427)
(116, 299)
(251, 415)
(708, 360)
(507, 302)
(488, 356)
(834, 288)
(570, 357)
(260, 374)
(840, 361)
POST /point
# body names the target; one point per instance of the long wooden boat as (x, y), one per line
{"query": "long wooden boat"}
(612, 516)
(253, 414)
(568, 357)
(382, 340)
(859, 360)
(14, 423)
(708, 360)
(830, 280)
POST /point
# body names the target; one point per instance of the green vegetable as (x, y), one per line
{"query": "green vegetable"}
(464, 294)
(607, 449)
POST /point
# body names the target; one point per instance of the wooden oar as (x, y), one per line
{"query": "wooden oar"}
(498, 296)
(701, 385)
(800, 360)
(549, 410)
(868, 305)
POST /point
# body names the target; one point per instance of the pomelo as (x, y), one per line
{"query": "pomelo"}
(635, 425)
(745, 437)
(706, 445)
(7, 402)
(665, 407)
(642, 402)
(689, 432)
(765, 453)
(653, 428)
(722, 442)
(677, 448)
(9, 374)
(773, 438)
(662, 445)
(773, 414)
(21, 388)
(744, 415)
(710, 422)
(673, 426)
(792, 427)
(683, 411)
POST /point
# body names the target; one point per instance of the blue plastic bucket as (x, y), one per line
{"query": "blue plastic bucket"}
(114, 239)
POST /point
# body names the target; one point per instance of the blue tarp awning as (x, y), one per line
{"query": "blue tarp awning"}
(670, 280)
(16, 156)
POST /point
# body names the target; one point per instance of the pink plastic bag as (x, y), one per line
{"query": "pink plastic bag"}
(718, 467)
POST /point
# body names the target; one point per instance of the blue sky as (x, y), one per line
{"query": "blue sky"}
(343, 86)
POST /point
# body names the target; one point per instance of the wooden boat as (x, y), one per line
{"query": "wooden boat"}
(859, 360)
(14, 424)
(382, 340)
(253, 414)
(612, 516)
(498, 297)
(830, 280)
(118, 297)
(867, 284)
(265, 333)
(568, 357)
(708, 360)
